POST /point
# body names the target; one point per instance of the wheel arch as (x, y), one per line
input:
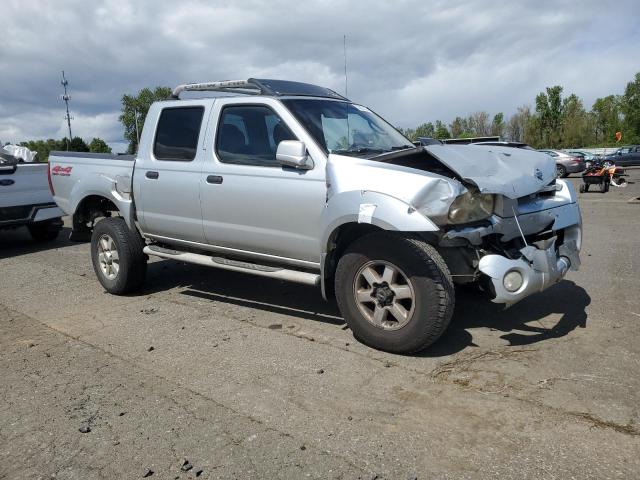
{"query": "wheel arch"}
(95, 205)
(351, 215)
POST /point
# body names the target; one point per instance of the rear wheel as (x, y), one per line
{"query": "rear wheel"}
(45, 231)
(561, 171)
(395, 292)
(604, 187)
(583, 188)
(117, 256)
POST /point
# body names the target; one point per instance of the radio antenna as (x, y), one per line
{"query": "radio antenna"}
(66, 97)
(346, 83)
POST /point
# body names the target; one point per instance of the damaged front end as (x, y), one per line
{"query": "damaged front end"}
(525, 246)
(497, 216)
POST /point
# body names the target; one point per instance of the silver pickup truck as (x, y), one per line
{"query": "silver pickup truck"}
(293, 181)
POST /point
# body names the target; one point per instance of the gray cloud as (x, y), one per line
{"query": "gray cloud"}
(412, 61)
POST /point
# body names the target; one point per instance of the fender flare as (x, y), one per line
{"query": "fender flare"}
(368, 207)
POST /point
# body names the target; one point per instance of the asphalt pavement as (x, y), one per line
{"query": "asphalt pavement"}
(214, 374)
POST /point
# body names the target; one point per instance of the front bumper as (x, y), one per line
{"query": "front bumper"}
(540, 266)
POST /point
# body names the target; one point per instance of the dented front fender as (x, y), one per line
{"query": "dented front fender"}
(375, 208)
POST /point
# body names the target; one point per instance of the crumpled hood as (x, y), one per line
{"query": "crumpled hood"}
(512, 172)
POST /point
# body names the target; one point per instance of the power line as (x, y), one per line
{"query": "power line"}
(66, 97)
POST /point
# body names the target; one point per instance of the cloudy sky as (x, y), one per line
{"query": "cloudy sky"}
(411, 61)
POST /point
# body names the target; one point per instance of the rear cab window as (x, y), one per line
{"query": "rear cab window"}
(177, 133)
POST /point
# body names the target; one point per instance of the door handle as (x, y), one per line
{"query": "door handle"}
(152, 175)
(215, 179)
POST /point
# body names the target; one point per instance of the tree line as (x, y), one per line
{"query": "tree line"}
(76, 144)
(555, 121)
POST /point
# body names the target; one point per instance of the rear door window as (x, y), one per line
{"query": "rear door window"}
(177, 134)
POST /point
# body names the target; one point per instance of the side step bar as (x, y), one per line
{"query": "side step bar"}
(235, 265)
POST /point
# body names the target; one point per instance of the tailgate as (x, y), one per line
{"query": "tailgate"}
(22, 187)
(24, 184)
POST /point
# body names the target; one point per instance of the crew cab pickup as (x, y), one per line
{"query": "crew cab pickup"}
(295, 182)
(25, 200)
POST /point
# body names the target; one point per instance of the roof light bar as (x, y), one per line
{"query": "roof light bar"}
(245, 86)
(257, 86)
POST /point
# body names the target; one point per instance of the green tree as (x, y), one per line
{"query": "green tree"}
(441, 131)
(139, 104)
(533, 132)
(76, 145)
(549, 112)
(98, 145)
(606, 116)
(574, 130)
(630, 106)
(479, 124)
(459, 128)
(515, 128)
(425, 130)
(497, 125)
(44, 147)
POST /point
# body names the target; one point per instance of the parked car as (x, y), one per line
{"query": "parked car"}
(588, 157)
(625, 156)
(25, 199)
(294, 182)
(566, 163)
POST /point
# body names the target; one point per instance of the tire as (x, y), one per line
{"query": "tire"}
(604, 187)
(561, 171)
(123, 272)
(582, 188)
(420, 272)
(586, 187)
(43, 232)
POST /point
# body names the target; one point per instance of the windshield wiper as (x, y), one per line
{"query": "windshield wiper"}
(358, 151)
(395, 149)
(402, 147)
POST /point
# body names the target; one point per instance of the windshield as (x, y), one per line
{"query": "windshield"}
(346, 128)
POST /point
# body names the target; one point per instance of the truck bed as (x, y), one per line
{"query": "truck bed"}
(75, 174)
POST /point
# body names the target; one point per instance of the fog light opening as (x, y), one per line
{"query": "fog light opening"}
(512, 281)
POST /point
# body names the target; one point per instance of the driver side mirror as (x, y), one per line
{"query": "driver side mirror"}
(293, 153)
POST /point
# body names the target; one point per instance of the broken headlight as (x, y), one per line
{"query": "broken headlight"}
(470, 207)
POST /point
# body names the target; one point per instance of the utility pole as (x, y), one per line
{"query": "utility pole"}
(66, 99)
(344, 49)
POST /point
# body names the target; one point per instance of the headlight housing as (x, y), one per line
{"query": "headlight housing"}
(471, 206)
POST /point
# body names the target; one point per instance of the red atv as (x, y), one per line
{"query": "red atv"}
(603, 174)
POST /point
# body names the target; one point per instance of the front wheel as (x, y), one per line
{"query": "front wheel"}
(117, 256)
(395, 292)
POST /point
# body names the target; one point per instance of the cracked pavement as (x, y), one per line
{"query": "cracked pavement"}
(256, 378)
